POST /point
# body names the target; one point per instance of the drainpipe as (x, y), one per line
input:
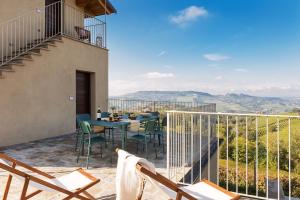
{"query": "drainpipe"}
(105, 26)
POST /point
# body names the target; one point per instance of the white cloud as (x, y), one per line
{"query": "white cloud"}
(168, 66)
(119, 87)
(189, 14)
(216, 57)
(210, 85)
(219, 77)
(241, 70)
(154, 75)
(161, 53)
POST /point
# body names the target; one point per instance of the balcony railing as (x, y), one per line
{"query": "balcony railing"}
(136, 106)
(254, 155)
(84, 27)
(32, 29)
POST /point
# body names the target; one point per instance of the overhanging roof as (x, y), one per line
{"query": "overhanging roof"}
(97, 7)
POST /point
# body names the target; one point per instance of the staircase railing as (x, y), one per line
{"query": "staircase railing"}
(32, 29)
(25, 32)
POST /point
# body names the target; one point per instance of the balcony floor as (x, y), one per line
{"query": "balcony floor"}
(57, 157)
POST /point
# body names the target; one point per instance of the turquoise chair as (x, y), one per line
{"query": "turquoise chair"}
(80, 118)
(145, 136)
(89, 138)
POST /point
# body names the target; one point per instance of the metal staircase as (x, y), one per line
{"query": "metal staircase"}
(16, 59)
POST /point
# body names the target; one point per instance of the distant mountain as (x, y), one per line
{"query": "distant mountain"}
(225, 103)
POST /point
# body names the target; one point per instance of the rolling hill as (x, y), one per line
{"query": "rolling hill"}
(225, 103)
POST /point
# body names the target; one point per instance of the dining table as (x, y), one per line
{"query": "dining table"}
(124, 125)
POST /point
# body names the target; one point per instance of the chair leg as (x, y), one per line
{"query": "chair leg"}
(163, 144)
(82, 145)
(88, 156)
(7, 187)
(77, 140)
(159, 139)
(88, 195)
(101, 150)
(105, 138)
(112, 138)
(25, 187)
(80, 152)
(146, 147)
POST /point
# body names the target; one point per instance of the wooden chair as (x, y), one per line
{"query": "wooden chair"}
(190, 192)
(73, 185)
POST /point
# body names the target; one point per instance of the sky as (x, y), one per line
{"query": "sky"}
(215, 46)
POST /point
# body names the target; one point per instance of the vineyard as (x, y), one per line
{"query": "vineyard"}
(259, 145)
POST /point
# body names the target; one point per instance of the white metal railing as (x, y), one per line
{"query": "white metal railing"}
(251, 154)
(30, 30)
(84, 27)
(136, 105)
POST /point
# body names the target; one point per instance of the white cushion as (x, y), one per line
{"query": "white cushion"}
(71, 182)
(201, 191)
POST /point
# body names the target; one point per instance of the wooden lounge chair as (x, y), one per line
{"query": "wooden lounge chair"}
(204, 190)
(73, 185)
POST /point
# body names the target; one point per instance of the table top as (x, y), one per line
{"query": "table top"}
(105, 123)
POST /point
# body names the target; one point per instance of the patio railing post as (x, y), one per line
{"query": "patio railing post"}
(61, 17)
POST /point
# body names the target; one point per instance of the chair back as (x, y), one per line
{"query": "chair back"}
(82, 117)
(150, 126)
(85, 127)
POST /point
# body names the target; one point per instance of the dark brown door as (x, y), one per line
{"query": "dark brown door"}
(83, 93)
(52, 17)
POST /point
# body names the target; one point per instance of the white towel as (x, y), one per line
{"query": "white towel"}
(128, 180)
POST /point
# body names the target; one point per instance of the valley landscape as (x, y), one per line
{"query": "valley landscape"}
(230, 102)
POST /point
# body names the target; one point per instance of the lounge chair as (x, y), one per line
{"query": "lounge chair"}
(204, 190)
(73, 185)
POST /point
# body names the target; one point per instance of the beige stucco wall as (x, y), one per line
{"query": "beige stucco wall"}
(12, 8)
(34, 100)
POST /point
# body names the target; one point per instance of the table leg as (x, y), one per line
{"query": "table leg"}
(112, 137)
(124, 137)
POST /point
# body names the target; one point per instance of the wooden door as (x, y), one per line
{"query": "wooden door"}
(83, 93)
(52, 17)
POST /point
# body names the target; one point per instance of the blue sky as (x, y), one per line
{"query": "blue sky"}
(216, 46)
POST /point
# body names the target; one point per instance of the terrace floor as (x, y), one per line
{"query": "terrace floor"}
(57, 157)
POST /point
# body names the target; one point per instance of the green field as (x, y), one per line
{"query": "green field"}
(266, 139)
